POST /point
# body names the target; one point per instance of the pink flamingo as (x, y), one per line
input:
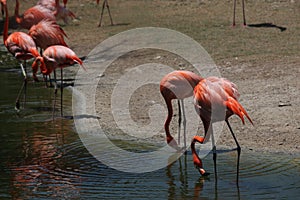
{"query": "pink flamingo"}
(177, 85)
(216, 95)
(56, 56)
(21, 46)
(32, 16)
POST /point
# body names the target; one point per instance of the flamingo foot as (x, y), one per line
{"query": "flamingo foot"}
(203, 172)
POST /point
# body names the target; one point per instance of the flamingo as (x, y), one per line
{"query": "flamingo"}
(105, 3)
(177, 85)
(32, 16)
(216, 95)
(234, 8)
(47, 33)
(21, 46)
(56, 56)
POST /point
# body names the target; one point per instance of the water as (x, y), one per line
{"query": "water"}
(41, 158)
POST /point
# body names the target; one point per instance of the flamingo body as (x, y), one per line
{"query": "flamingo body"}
(56, 56)
(32, 16)
(216, 99)
(176, 85)
(47, 33)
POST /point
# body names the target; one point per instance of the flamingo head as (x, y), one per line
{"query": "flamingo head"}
(39, 63)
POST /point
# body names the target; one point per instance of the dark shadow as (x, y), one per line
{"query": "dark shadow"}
(115, 24)
(267, 25)
(121, 24)
(83, 58)
(12, 24)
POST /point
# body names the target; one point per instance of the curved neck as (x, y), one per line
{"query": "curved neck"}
(169, 118)
(196, 159)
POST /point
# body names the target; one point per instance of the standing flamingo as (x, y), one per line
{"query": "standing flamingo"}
(59, 11)
(47, 33)
(21, 46)
(32, 16)
(56, 56)
(234, 8)
(105, 4)
(216, 99)
(177, 85)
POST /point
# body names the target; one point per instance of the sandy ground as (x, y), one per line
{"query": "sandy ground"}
(263, 62)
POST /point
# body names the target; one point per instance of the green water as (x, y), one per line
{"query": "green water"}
(41, 158)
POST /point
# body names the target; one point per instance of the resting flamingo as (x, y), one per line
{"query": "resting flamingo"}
(177, 85)
(53, 57)
(32, 16)
(216, 99)
(234, 8)
(105, 4)
(21, 46)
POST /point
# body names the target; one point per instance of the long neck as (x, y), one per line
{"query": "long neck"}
(196, 159)
(5, 30)
(169, 118)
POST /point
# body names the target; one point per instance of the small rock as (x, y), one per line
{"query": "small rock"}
(100, 75)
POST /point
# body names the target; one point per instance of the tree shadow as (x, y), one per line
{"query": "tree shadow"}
(267, 25)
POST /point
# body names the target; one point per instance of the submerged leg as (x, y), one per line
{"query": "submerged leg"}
(184, 125)
(214, 151)
(238, 151)
(55, 94)
(179, 121)
(23, 87)
(61, 92)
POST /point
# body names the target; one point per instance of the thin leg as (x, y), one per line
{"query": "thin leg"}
(101, 15)
(61, 92)
(244, 16)
(17, 105)
(184, 125)
(111, 21)
(179, 121)
(214, 151)
(238, 151)
(55, 94)
(234, 7)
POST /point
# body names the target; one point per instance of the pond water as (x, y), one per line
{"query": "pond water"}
(41, 158)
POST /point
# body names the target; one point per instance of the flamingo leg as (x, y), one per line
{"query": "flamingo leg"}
(214, 151)
(234, 8)
(55, 94)
(184, 125)
(111, 21)
(61, 92)
(17, 105)
(238, 151)
(101, 15)
(244, 17)
(179, 121)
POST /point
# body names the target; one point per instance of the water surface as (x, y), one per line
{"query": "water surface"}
(41, 158)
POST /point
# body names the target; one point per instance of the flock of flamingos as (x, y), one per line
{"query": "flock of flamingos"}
(211, 95)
